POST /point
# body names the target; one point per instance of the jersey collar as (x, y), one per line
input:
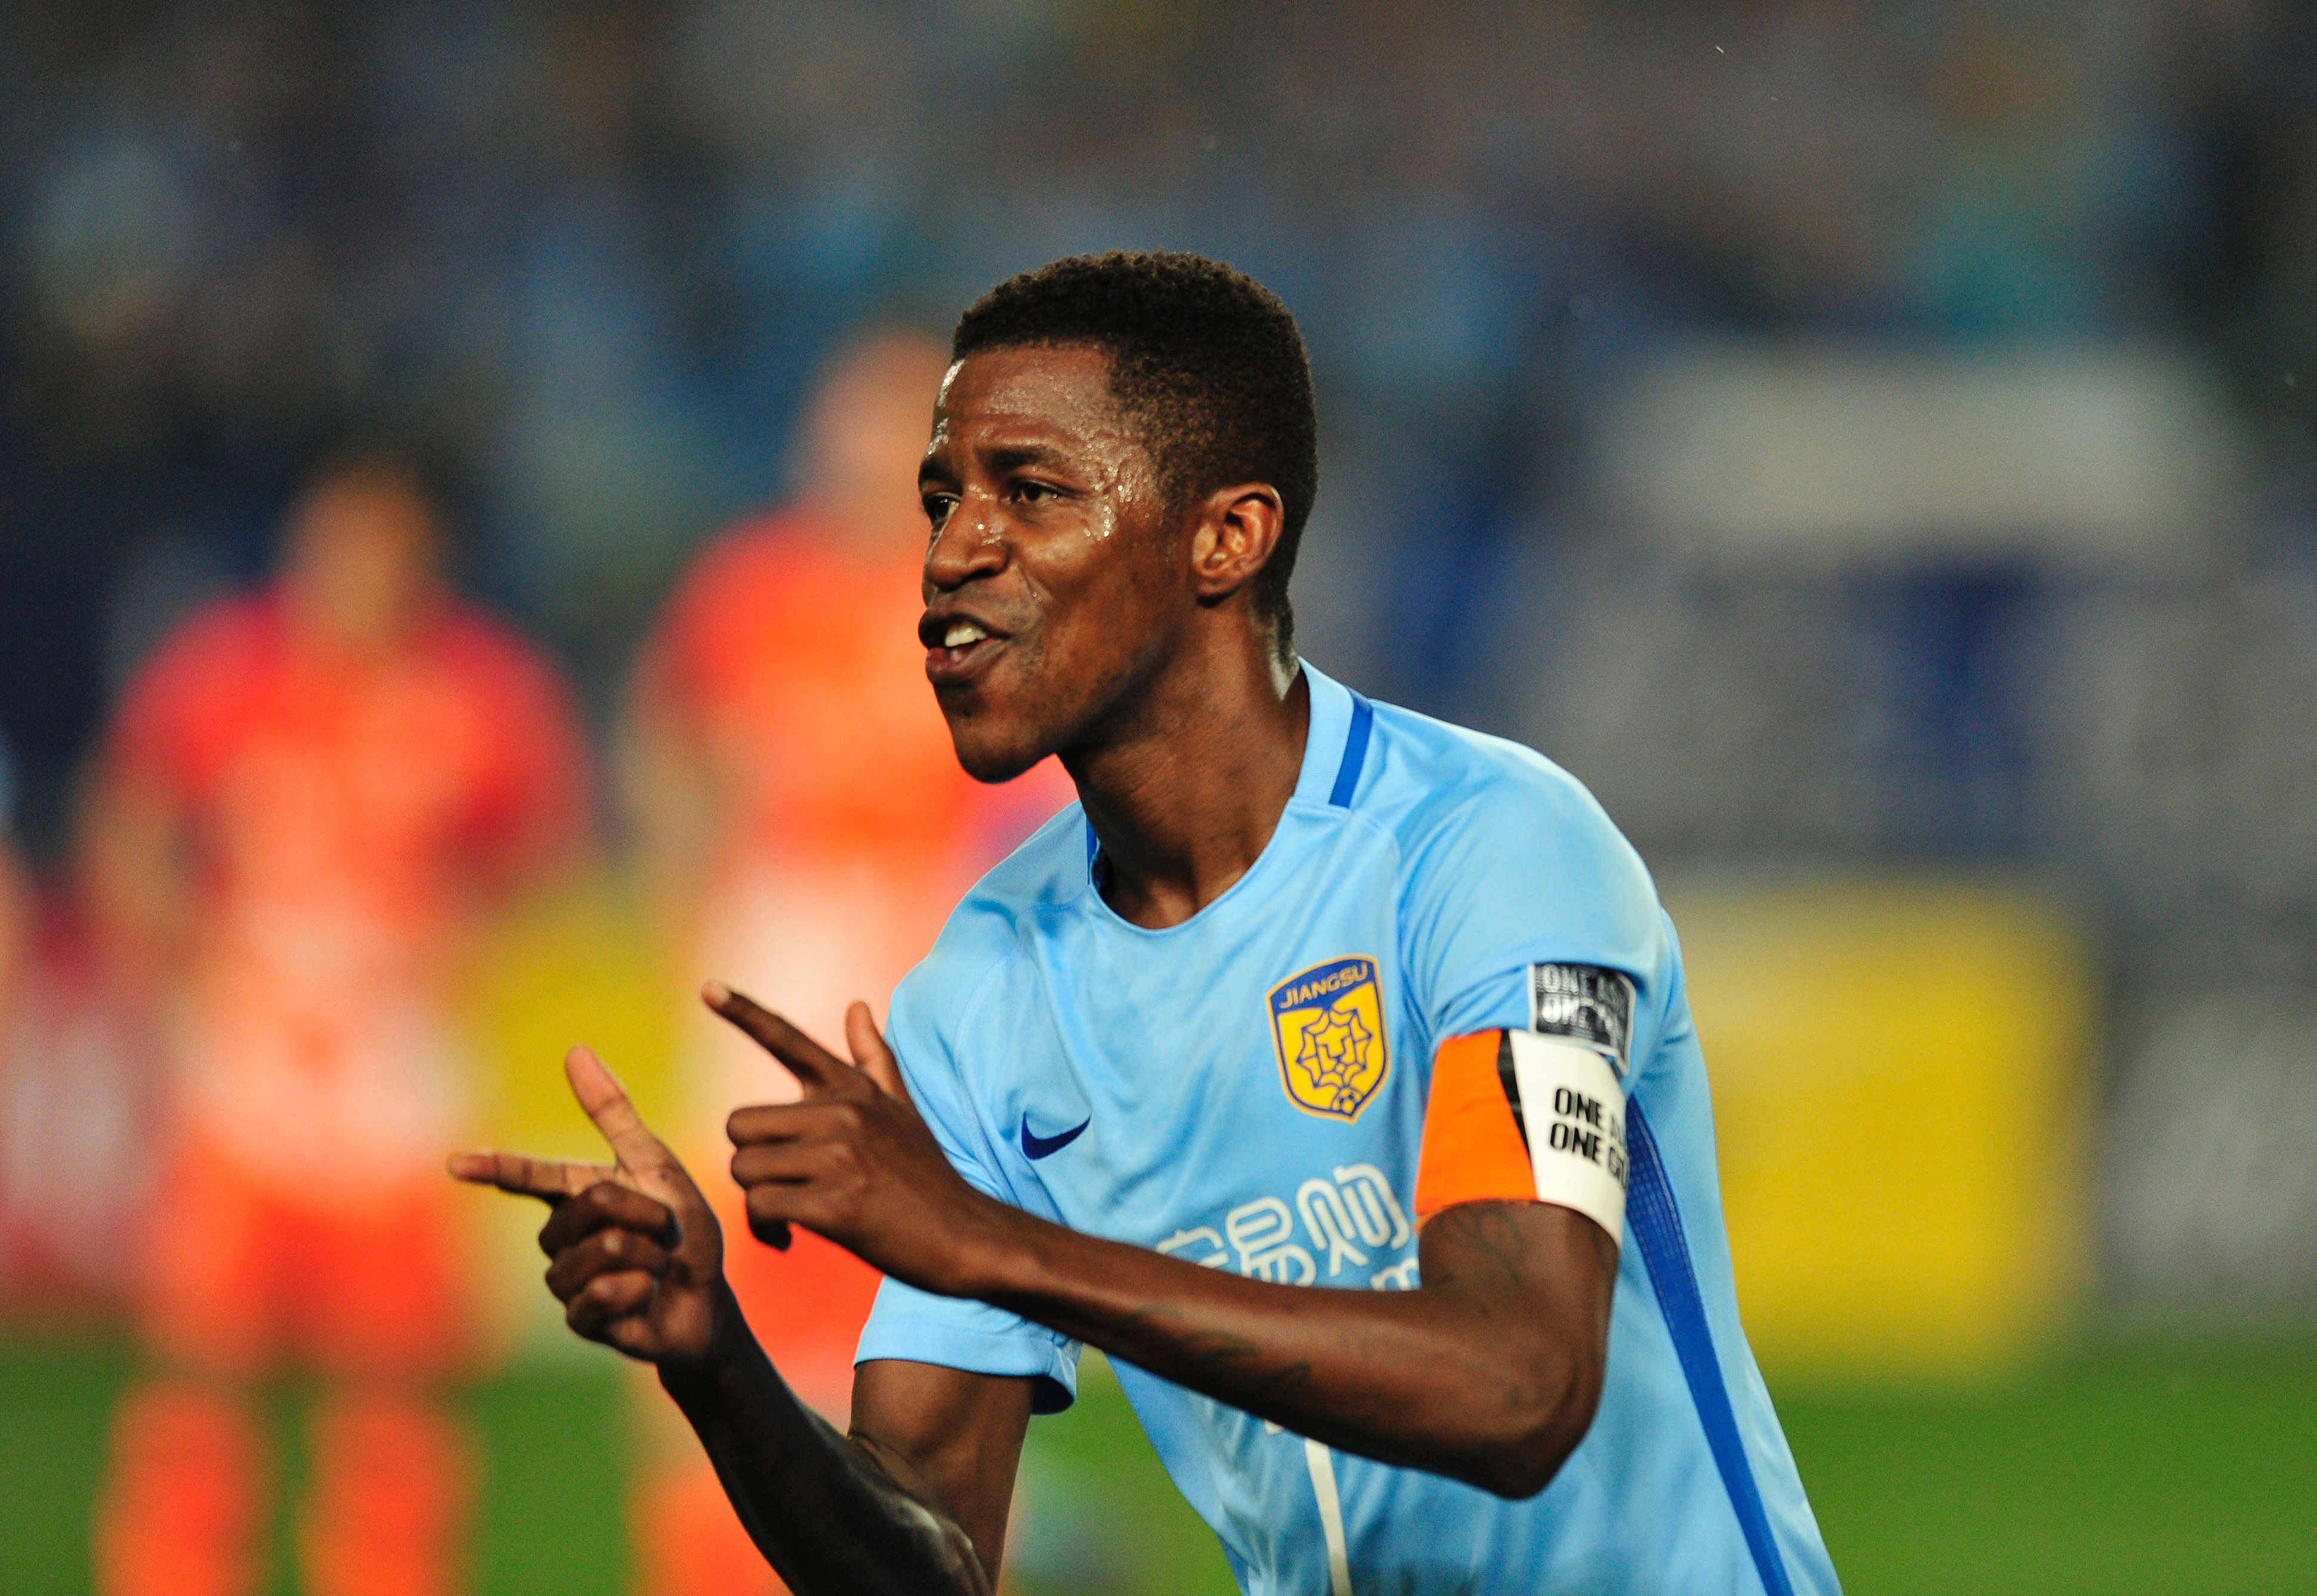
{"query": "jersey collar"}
(1325, 746)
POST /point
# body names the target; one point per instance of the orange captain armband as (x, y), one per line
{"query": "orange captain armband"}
(1473, 1149)
(1528, 1118)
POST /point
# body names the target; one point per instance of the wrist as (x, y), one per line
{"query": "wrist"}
(990, 1252)
(690, 1374)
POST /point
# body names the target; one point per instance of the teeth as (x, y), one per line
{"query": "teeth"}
(961, 633)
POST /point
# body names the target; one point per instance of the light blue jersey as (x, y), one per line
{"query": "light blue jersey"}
(1248, 1091)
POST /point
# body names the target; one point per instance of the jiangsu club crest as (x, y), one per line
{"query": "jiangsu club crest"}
(1328, 1023)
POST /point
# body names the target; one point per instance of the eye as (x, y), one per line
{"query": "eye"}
(1033, 492)
(938, 506)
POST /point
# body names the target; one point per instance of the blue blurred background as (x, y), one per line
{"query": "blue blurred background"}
(1875, 447)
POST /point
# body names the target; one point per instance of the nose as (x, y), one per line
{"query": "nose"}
(967, 546)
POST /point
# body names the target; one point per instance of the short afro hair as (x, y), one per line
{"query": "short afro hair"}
(1206, 359)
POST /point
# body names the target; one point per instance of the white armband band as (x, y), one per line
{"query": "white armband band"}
(1573, 1116)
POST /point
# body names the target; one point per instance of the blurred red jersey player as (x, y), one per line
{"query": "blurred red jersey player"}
(808, 827)
(309, 795)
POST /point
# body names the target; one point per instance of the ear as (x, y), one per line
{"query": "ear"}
(1232, 536)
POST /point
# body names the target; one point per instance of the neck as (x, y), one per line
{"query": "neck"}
(1184, 797)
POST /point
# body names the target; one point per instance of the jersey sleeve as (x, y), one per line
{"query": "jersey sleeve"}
(1536, 952)
(1525, 871)
(953, 1332)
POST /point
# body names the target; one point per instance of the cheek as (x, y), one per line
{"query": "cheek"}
(1102, 639)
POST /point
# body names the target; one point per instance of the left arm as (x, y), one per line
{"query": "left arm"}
(1489, 1372)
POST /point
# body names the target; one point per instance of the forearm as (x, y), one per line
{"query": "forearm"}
(828, 1513)
(1477, 1374)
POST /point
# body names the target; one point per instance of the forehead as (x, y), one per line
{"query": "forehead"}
(369, 497)
(1054, 394)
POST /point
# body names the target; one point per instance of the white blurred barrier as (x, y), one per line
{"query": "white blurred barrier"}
(2209, 1156)
(2096, 456)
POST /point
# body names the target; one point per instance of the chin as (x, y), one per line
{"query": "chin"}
(994, 752)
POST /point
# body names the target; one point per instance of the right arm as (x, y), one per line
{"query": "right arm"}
(913, 1499)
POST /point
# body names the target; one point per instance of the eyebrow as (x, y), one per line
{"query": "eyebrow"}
(1011, 457)
(1014, 457)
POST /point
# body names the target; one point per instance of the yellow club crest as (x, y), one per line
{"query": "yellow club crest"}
(1328, 1023)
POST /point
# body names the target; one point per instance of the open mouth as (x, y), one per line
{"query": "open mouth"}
(957, 649)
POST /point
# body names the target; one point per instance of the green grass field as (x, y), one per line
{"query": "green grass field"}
(2140, 1469)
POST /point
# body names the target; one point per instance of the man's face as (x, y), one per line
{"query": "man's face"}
(361, 554)
(1055, 582)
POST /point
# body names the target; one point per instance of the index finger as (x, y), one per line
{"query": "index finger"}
(550, 1179)
(816, 1068)
(606, 1103)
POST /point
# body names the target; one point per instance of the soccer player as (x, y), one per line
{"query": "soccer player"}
(806, 829)
(308, 796)
(1306, 991)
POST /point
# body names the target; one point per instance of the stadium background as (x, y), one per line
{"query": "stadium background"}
(1872, 446)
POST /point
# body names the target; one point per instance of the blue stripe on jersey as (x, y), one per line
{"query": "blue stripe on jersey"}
(1657, 1225)
(1355, 753)
(1347, 774)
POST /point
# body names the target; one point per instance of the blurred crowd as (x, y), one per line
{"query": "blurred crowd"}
(591, 250)
(314, 316)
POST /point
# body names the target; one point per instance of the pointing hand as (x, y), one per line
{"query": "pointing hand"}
(636, 1258)
(854, 1161)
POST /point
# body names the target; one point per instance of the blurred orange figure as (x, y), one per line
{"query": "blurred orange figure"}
(15, 923)
(308, 796)
(16, 952)
(807, 827)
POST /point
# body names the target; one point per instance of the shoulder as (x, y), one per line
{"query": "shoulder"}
(740, 564)
(240, 629)
(722, 604)
(492, 658)
(943, 1005)
(217, 651)
(1504, 857)
(198, 693)
(1456, 799)
(995, 921)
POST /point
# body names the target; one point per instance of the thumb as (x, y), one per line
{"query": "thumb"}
(870, 1055)
(606, 1103)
